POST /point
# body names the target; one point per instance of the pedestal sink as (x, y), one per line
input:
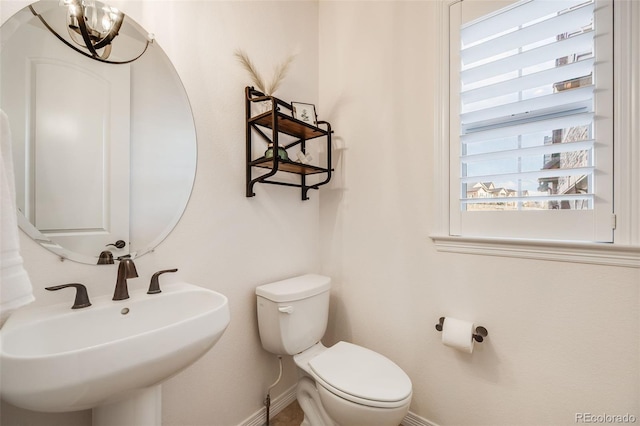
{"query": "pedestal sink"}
(111, 356)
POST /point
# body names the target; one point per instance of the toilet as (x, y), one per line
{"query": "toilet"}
(341, 385)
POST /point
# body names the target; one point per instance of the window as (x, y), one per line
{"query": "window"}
(528, 135)
(531, 120)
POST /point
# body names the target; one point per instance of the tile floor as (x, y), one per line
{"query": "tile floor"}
(291, 416)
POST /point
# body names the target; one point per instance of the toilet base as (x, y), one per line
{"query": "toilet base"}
(316, 403)
(309, 400)
(352, 414)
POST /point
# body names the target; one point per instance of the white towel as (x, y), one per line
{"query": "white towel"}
(15, 286)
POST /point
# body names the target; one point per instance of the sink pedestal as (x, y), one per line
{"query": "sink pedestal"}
(141, 408)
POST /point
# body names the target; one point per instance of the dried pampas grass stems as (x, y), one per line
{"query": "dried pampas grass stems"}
(279, 74)
(251, 69)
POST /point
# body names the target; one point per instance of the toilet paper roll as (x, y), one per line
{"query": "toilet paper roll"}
(458, 334)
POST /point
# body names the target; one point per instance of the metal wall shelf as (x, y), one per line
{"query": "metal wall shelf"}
(268, 126)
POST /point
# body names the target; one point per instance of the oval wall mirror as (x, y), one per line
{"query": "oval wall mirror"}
(104, 153)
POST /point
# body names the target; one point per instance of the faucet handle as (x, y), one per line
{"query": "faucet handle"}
(82, 297)
(154, 285)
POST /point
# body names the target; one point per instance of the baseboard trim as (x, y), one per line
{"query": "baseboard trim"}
(259, 418)
(279, 403)
(415, 420)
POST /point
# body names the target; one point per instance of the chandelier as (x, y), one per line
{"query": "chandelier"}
(92, 28)
(93, 25)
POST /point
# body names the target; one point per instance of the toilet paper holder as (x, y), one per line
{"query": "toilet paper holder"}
(478, 336)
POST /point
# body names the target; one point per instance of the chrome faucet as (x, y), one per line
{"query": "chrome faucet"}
(126, 269)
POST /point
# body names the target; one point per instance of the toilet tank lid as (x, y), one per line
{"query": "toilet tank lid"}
(296, 288)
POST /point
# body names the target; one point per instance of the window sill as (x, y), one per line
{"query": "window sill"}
(560, 251)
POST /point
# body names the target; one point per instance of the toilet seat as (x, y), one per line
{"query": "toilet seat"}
(361, 375)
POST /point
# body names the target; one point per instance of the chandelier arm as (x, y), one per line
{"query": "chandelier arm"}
(56, 34)
(82, 25)
(106, 52)
(113, 32)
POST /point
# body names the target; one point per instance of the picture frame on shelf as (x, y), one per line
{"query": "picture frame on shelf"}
(304, 112)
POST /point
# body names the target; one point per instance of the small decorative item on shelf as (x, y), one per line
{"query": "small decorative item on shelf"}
(282, 153)
(304, 112)
(304, 159)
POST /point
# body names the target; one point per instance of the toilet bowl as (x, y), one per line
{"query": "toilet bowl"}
(355, 385)
(345, 384)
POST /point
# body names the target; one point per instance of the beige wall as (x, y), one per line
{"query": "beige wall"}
(563, 337)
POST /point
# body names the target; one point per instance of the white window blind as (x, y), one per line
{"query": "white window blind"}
(531, 120)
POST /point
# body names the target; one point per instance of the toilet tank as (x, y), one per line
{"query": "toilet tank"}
(293, 313)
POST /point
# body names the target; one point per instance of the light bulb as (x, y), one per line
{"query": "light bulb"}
(106, 22)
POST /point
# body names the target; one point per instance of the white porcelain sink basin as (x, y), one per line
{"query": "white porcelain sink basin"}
(56, 359)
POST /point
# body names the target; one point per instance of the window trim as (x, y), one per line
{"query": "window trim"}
(625, 251)
(590, 253)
